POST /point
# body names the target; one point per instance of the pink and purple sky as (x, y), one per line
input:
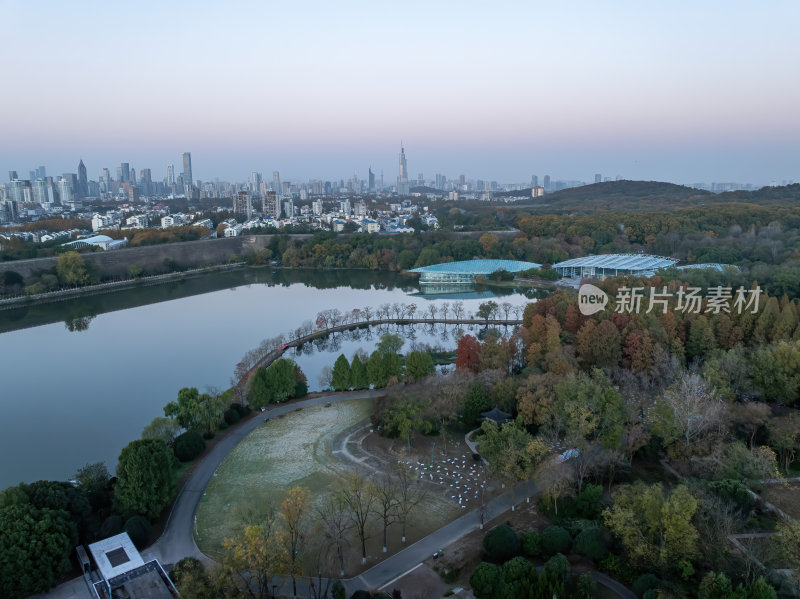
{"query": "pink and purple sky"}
(680, 91)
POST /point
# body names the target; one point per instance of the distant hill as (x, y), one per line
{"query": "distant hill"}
(614, 196)
(763, 196)
(631, 196)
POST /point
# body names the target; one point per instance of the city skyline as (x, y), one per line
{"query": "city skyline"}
(676, 92)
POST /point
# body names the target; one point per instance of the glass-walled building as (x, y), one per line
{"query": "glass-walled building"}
(465, 271)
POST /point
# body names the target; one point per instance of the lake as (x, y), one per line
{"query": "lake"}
(82, 378)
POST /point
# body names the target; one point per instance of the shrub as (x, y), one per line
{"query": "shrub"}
(590, 543)
(486, 581)
(188, 446)
(531, 544)
(558, 567)
(231, 415)
(501, 544)
(138, 529)
(516, 568)
(242, 410)
(208, 435)
(736, 492)
(589, 503)
(188, 566)
(555, 539)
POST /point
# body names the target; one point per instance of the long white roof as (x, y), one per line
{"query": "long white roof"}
(478, 267)
(633, 262)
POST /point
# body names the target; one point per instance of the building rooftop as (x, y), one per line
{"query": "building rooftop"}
(628, 262)
(115, 555)
(477, 267)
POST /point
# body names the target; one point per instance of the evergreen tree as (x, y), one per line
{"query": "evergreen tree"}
(341, 379)
(358, 373)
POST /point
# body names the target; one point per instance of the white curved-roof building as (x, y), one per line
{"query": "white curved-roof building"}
(465, 271)
(611, 265)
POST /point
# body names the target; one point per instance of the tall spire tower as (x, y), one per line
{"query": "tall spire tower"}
(402, 176)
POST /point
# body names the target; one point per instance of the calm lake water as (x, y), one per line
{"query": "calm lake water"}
(82, 378)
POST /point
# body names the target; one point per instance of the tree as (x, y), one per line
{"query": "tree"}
(487, 310)
(188, 446)
(358, 494)
(295, 511)
(467, 353)
(276, 384)
(655, 526)
(210, 408)
(409, 496)
(72, 270)
(187, 409)
(34, 548)
(784, 437)
(389, 344)
(336, 523)
(555, 539)
(145, 477)
(486, 581)
(386, 505)
(254, 557)
(419, 365)
(163, 429)
(511, 452)
(501, 544)
(590, 543)
(689, 413)
(358, 373)
(341, 375)
(474, 403)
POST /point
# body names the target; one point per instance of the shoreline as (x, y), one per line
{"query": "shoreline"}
(113, 286)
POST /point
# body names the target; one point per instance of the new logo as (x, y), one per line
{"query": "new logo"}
(591, 299)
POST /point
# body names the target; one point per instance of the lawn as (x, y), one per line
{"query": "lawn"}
(295, 450)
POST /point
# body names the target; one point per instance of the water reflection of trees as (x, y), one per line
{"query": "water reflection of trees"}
(419, 337)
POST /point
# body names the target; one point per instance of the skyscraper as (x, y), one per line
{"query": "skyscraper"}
(12, 175)
(83, 180)
(276, 184)
(402, 176)
(187, 169)
(255, 182)
(598, 177)
(371, 180)
(547, 182)
(170, 174)
(125, 172)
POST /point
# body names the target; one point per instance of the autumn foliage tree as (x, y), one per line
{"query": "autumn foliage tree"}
(468, 353)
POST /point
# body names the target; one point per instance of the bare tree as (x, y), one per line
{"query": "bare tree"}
(358, 494)
(408, 495)
(334, 516)
(397, 310)
(385, 310)
(444, 309)
(367, 312)
(411, 309)
(506, 308)
(386, 504)
(458, 310)
(432, 310)
(690, 412)
(517, 311)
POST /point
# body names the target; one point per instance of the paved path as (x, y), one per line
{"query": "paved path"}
(177, 541)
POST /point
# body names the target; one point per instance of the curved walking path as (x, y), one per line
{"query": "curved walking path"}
(177, 540)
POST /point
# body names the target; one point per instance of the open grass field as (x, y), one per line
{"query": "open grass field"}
(296, 450)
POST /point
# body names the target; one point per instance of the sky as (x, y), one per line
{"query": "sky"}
(683, 91)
